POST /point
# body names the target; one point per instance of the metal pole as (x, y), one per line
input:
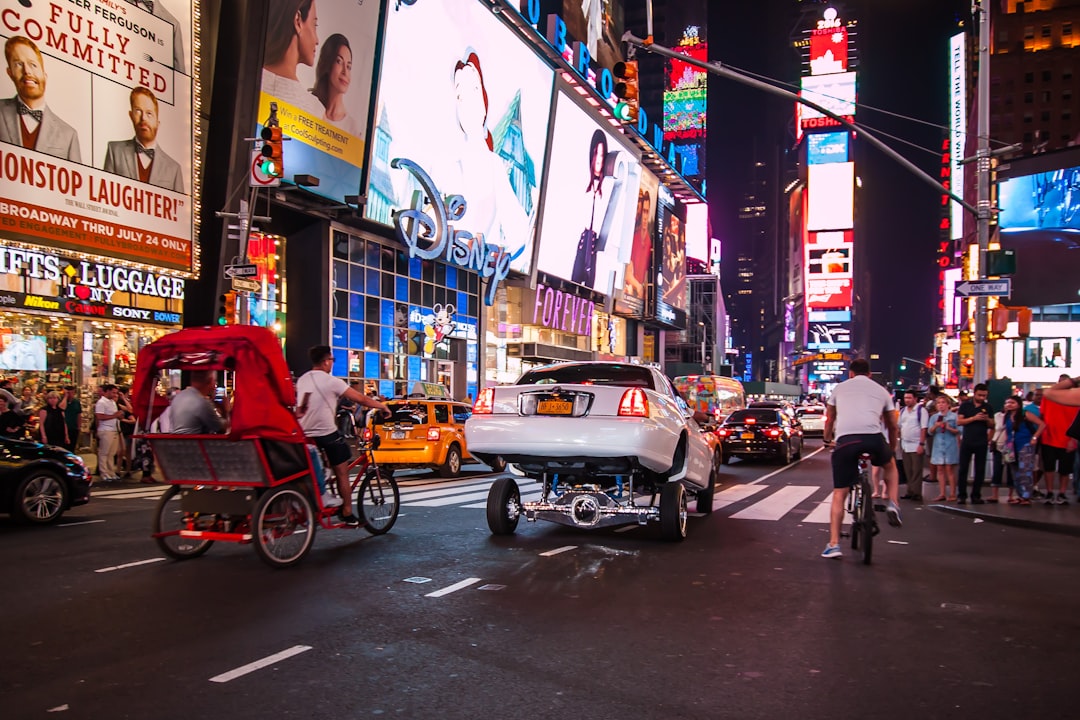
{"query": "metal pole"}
(982, 368)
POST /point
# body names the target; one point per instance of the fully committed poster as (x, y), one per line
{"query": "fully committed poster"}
(96, 128)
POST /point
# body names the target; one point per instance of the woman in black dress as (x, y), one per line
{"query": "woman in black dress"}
(51, 422)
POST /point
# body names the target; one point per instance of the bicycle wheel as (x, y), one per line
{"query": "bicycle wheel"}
(867, 523)
(283, 525)
(854, 505)
(170, 518)
(378, 501)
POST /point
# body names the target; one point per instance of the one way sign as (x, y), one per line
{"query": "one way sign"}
(241, 271)
(986, 288)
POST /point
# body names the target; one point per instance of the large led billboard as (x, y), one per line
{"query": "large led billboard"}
(832, 92)
(827, 147)
(829, 268)
(671, 260)
(958, 80)
(631, 299)
(475, 120)
(828, 293)
(828, 336)
(317, 67)
(96, 134)
(1040, 222)
(828, 51)
(593, 179)
(830, 196)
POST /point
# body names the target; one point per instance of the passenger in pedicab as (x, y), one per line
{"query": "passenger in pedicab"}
(319, 392)
(191, 411)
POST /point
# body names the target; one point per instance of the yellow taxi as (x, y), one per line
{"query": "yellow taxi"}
(426, 430)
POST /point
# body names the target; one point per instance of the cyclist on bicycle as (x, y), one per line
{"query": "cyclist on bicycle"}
(855, 414)
(319, 392)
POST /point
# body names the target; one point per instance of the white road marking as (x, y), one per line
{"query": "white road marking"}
(84, 522)
(525, 497)
(129, 565)
(430, 489)
(734, 494)
(778, 504)
(786, 467)
(556, 551)
(898, 542)
(259, 664)
(820, 514)
(454, 588)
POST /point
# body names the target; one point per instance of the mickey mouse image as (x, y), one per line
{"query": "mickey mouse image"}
(438, 326)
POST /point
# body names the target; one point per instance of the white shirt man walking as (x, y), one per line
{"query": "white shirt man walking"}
(913, 420)
(108, 432)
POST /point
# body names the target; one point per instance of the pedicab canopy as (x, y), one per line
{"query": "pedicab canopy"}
(263, 395)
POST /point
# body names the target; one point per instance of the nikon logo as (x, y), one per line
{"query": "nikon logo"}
(40, 302)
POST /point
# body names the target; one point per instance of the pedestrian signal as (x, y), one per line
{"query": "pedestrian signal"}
(627, 91)
(272, 162)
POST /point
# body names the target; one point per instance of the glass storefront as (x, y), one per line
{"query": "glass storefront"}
(398, 320)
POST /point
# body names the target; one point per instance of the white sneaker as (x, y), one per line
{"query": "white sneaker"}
(330, 500)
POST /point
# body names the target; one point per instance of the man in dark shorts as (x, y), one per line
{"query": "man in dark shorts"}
(319, 392)
(855, 414)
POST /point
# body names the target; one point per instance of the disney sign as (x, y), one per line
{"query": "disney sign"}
(435, 236)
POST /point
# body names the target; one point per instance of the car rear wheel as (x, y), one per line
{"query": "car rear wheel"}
(40, 498)
(503, 506)
(726, 458)
(452, 466)
(673, 512)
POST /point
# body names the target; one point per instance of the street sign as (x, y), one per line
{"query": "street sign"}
(247, 285)
(986, 288)
(241, 271)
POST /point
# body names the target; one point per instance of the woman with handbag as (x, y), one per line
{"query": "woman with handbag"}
(1022, 431)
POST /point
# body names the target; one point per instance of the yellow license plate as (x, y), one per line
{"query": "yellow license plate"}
(554, 407)
(747, 436)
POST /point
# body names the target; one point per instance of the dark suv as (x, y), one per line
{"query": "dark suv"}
(761, 432)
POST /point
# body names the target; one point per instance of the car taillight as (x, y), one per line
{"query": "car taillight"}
(485, 402)
(750, 421)
(433, 433)
(774, 433)
(634, 403)
(723, 433)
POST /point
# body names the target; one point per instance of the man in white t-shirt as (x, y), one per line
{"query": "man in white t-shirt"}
(855, 413)
(108, 432)
(912, 423)
(318, 392)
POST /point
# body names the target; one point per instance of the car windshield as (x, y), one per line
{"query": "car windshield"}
(758, 416)
(590, 374)
(415, 413)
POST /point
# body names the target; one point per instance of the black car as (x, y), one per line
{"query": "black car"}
(761, 432)
(39, 482)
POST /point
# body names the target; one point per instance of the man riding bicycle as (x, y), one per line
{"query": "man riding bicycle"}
(856, 412)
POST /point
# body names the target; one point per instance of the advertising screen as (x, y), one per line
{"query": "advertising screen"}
(830, 293)
(96, 128)
(475, 120)
(317, 67)
(829, 147)
(831, 196)
(829, 262)
(1040, 222)
(22, 352)
(828, 51)
(632, 298)
(833, 92)
(671, 275)
(598, 24)
(587, 229)
(828, 336)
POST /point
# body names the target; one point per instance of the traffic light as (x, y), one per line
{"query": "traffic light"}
(967, 367)
(999, 319)
(1023, 322)
(272, 164)
(227, 308)
(627, 91)
(903, 365)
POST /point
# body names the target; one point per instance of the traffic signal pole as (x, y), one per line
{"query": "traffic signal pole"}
(983, 371)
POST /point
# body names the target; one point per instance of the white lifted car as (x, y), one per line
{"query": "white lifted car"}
(611, 443)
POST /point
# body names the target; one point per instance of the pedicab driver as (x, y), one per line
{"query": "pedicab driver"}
(855, 414)
(318, 392)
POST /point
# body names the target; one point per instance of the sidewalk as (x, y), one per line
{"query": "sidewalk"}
(1037, 516)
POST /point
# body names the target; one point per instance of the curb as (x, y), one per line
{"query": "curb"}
(1029, 523)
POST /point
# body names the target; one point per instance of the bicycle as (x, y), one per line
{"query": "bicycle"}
(860, 504)
(378, 498)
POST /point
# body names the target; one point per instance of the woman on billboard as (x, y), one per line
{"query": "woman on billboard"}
(291, 40)
(591, 242)
(637, 269)
(333, 75)
(494, 209)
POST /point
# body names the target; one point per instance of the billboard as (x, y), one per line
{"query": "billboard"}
(831, 196)
(476, 120)
(1040, 222)
(832, 92)
(671, 258)
(957, 126)
(593, 180)
(828, 293)
(827, 147)
(598, 24)
(828, 336)
(631, 299)
(96, 134)
(317, 67)
(828, 51)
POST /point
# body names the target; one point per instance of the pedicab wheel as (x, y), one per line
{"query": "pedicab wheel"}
(503, 506)
(283, 524)
(673, 512)
(378, 502)
(170, 518)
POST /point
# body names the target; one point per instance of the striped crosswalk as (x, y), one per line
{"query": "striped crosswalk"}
(763, 502)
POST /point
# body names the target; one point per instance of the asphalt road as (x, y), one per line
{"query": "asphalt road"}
(438, 619)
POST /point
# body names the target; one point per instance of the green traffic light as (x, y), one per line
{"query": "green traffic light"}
(903, 366)
(221, 320)
(268, 168)
(622, 111)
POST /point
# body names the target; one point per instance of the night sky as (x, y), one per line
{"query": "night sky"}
(902, 48)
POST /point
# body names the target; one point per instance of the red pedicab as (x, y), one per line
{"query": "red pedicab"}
(256, 484)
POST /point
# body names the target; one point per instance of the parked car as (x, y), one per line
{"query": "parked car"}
(812, 419)
(426, 432)
(595, 435)
(761, 432)
(38, 483)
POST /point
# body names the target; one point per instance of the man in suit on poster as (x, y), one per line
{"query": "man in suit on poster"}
(139, 158)
(157, 9)
(25, 120)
